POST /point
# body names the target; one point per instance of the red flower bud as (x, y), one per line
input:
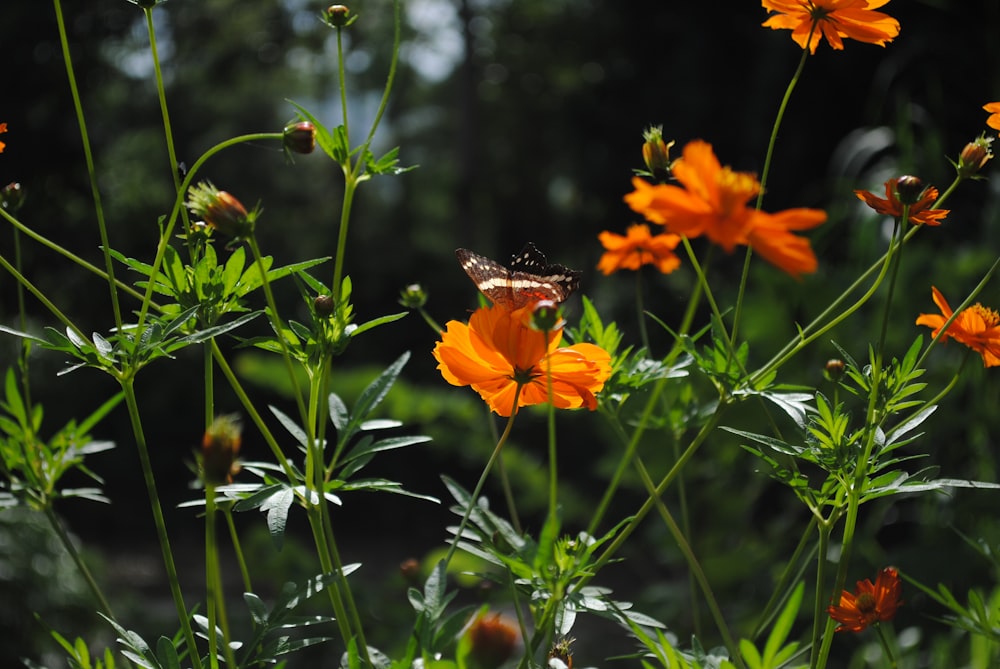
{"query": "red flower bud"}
(220, 210)
(299, 137)
(219, 448)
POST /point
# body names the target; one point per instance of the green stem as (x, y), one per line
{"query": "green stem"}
(661, 487)
(482, 478)
(81, 566)
(251, 410)
(820, 617)
(893, 275)
(159, 522)
(885, 645)
(216, 596)
(279, 331)
(91, 170)
(693, 565)
(48, 243)
(640, 310)
(41, 297)
(164, 113)
(234, 538)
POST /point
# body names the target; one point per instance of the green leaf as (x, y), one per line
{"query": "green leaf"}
(374, 394)
(368, 325)
(384, 445)
(783, 626)
(215, 331)
(167, 654)
(257, 608)
(339, 415)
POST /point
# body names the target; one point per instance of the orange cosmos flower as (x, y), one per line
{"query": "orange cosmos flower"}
(977, 327)
(920, 211)
(3, 129)
(994, 120)
(637, 248)
(868, 604)
(713, 202)
(832, 19)
(497, 352)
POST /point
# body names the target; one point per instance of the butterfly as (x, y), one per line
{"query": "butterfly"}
(528, 279)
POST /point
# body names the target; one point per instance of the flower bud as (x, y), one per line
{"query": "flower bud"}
(12, 196)
(546, 316)
(413, 296)
(324, 306)
(975, 154)
(338, 16)
(656, 153)
(410, 569)
(560, 656)
(834, 369)
(219, 448)
(492, 640)
(220, 210)
(909, 189)
(299, 137)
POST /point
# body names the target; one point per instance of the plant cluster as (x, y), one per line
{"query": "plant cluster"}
(835, 447)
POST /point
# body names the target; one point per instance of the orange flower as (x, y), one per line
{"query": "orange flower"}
(713, 202)
(920, 212)
(993, 121)
(832, 19)
(497, 352)
(3, 129)
(977, 327)
(868, 604)
(637, 248)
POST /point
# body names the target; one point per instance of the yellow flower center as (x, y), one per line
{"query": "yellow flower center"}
(735, 188)
(989, 316)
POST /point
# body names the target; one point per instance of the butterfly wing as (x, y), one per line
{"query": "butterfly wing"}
(530, 278)
(491, 278)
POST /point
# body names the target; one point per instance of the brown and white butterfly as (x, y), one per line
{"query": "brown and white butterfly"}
(528, 279)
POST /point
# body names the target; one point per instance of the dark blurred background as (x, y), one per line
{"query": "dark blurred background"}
(525, 119)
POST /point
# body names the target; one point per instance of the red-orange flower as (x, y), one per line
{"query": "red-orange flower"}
(833, 19)
(868, 604)
(637, 247)
(994, 119)
(712, 201)
(3, 129)
(498, 352)
(920, 211)
(977, 327)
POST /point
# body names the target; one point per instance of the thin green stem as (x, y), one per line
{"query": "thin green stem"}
(820, 616)
(640, 310)
(234, 538)
(81, 566)
(792, 572)
(693, 565)
(91, 169)
(482, 478)
(885, 645)
(159, 522)
(251, 410)
(279, 330)
(41, 297)
(164, 112)
(66, 253)
(893, 275)
(216, 596)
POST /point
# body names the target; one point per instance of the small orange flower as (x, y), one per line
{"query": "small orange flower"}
(833, 19)
(637, 248)
(977, 327)
(491, 641)
(712, 201)
(868, 604)
(3, 129)
(920, 211)
(498, 352)
(994, 120)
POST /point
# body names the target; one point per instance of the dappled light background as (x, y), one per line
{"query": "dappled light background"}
(526, 121)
